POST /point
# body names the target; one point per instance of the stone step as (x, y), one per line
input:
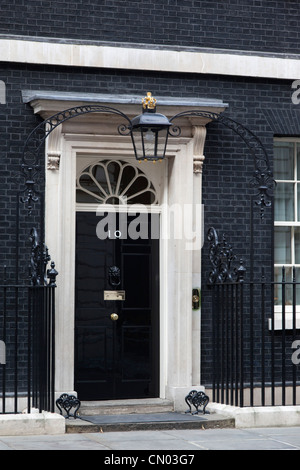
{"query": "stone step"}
(148, 421)
(125, 407)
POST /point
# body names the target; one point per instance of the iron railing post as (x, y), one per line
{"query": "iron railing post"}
(283, 345)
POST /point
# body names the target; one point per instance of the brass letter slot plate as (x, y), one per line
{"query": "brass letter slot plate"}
(114, 295)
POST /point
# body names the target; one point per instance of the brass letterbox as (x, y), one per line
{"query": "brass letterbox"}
(114, 295)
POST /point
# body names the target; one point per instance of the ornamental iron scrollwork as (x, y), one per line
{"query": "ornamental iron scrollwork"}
(36, 139)
(31, 169)
(196, 399)
(66, 402)
(221, 256)
(264, 183)
(262, 179)
(255, 145)
(32, 176)
(39, 260)
(38, 136)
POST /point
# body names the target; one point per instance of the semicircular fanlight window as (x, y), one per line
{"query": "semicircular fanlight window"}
(114, 182)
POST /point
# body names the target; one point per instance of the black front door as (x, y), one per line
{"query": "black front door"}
(116, 341)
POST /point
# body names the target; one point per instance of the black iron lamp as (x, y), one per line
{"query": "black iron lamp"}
(149, 132)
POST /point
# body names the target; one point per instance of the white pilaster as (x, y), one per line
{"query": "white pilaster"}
(199, 133)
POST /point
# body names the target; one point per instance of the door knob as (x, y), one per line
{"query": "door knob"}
(114, 317)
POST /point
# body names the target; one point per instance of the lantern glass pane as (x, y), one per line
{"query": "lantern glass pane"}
(162, 141)
(150, 143)
(138, 143)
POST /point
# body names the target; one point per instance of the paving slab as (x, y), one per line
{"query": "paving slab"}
(143, 445)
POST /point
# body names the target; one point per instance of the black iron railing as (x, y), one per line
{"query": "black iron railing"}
(42, 299)
(255, 331)
(256, 337)
(14, 334)
(27, 347)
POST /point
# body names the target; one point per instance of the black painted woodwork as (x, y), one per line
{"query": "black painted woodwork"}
(116, 359)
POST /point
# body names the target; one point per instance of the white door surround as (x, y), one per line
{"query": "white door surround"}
(78, 143)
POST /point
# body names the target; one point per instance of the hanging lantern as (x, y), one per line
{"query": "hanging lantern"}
(149, 132)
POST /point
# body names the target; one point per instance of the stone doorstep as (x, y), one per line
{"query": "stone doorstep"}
(141, 414)
(221, 416)
(149, 422)
(120, 407)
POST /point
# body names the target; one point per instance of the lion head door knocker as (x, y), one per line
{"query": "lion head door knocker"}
(114, 276)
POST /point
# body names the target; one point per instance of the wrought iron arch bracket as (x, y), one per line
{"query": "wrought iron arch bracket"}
(39, 134)
(31, 169)
(262, 179)
(252, 141)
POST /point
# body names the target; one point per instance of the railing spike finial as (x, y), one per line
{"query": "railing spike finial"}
(51, 275)
(241, 271)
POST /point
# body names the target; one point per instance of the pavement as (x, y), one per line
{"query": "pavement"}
(150, 447)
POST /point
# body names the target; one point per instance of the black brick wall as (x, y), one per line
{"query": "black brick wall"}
(236, 24)
(261, 105)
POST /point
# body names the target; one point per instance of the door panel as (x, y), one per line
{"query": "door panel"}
(136, 286)
(115, 359)
(136, 367)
